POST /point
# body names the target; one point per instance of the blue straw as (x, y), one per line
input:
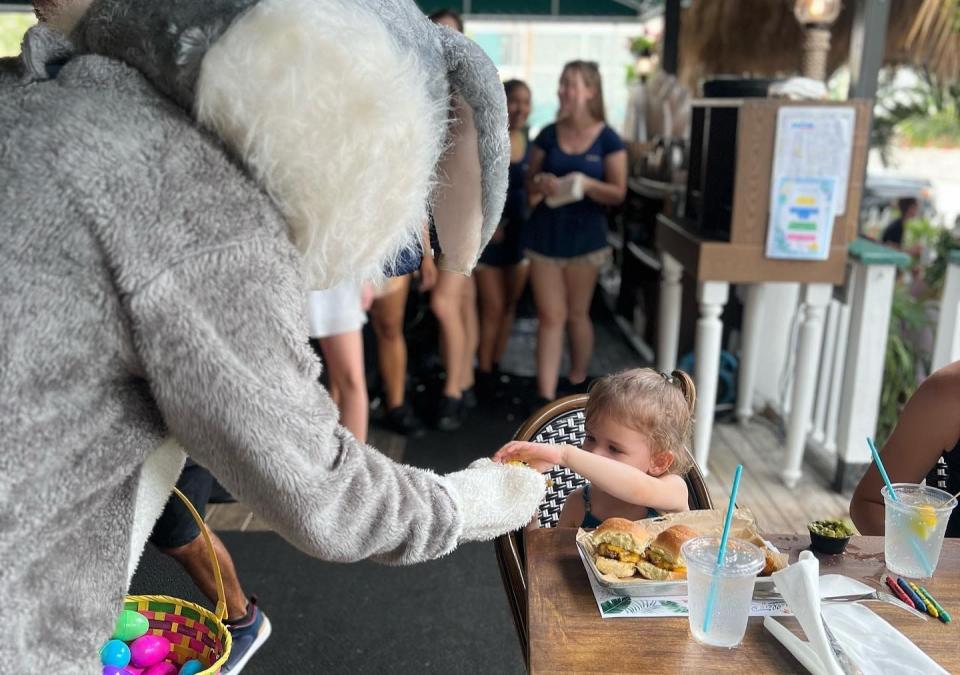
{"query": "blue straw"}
(893, 495)
(712, 595)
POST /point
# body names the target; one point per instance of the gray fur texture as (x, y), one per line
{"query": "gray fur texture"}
(150, 289)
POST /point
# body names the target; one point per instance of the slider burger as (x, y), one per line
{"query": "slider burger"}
(620, 544)
(662, 560)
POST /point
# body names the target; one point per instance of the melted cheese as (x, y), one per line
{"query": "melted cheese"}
(612, 551)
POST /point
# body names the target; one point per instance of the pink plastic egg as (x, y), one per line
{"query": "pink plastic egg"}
(165, 668)
(148, 650)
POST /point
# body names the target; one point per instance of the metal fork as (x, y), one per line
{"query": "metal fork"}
(869, 596)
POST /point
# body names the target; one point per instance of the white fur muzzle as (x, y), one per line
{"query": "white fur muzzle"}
(335, 120)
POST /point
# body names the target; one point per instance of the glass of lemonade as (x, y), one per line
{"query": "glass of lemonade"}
(914, 528)
(734, 588)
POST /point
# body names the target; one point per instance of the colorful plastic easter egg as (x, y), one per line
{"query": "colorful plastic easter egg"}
(115, 653)
(164, 668)
(130, 626)
(114, 670)
(149, 650)
(133, 670)
(191, 667)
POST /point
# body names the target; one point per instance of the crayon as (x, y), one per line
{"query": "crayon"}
(931, 610)
(918, 602)
(943, 615)
(897, 591)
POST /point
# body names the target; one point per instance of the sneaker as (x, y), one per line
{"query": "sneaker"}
(450, 414)
(248, 637)
(402, 420)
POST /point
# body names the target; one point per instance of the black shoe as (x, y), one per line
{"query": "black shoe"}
(469, 398)
(450, 415)
(402, 420)
(538, 403)
(566, 388)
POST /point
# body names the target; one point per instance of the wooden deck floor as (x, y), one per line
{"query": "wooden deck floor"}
(758, 446)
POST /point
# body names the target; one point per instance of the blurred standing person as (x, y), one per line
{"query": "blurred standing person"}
(454, 303)
(501, 273)
(447, 17)
(336, 316)
(387, 314)
(567, 243)
(909, 209)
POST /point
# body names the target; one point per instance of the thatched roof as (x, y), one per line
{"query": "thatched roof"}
(762, 38)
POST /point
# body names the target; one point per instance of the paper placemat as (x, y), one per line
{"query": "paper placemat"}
(614, 606)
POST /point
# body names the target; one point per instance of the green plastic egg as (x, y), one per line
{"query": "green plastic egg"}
(130, 626)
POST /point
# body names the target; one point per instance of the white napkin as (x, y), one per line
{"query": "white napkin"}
(800, 586)
(569, 190)
(873, 644)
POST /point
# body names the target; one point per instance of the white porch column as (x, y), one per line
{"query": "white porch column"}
(749, 351)
(873, 272)
(826, 372)
(668, 320)
(712, 296)
(946, 346)
(815, 297)
(836, 374)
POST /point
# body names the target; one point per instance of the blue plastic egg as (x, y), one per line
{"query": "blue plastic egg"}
(191, 667)
(115, 653)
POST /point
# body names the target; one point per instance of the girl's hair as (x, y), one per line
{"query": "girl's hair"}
(591, 77)
(447, 13)
(655, 404)
(512, 85)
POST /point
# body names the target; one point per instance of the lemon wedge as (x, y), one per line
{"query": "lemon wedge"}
(924, 522)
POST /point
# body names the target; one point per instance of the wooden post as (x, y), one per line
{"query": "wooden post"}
(815, 298)
(671, 301)
(712, 296)
(749, 352)
(946, 346)
(873, 275)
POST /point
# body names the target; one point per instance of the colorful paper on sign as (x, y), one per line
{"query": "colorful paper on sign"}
(801, 219)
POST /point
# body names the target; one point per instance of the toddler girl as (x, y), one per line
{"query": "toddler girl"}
(638, 423)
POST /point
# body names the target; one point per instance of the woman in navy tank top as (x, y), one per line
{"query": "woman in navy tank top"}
(567, 244)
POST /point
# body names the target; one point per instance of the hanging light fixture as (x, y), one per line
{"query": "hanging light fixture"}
(816, 16)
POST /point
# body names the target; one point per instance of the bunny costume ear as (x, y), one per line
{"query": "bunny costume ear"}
(472, 175)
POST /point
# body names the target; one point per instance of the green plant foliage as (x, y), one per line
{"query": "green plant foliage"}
(903, 360)
(936, 272)
(12, 27)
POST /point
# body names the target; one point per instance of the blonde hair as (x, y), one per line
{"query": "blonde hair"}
(655, 404)
(590, 74)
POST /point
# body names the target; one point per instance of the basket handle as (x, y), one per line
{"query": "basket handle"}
(221, 610)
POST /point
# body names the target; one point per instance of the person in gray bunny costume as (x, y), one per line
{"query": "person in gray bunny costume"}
(174, 176)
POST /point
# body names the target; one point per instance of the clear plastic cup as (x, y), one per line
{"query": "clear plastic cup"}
(914, 528)
(734, 581)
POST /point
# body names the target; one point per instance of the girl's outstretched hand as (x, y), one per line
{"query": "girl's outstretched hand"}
(540, 456)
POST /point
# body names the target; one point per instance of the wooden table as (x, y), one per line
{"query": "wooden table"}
(566, 633)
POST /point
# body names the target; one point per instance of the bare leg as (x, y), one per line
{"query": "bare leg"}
(387, 318)
(492, 290)
(445, 302)
(471, 332)
(343, 355)
(515, 278)
(580, 281)
(550, 295)
(196, 561)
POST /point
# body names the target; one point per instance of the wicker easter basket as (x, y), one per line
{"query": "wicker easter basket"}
(194, 632)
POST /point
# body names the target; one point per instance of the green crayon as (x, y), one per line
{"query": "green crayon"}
(926, 595)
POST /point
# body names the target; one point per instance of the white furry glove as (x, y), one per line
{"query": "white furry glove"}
(495, 498)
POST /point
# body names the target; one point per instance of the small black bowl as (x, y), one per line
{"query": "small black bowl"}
(831, 545)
